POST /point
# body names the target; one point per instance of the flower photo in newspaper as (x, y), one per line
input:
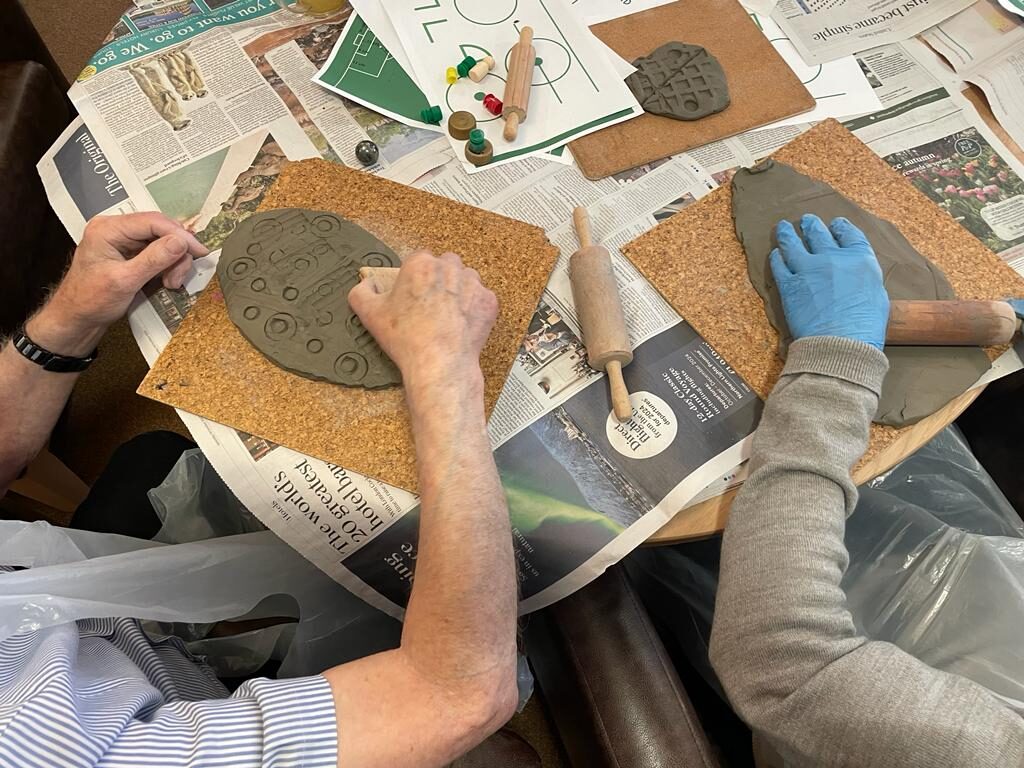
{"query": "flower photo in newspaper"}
(965, 176)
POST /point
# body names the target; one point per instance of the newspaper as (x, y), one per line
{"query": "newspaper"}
(823, 30)
(583, 490)
(985, 46)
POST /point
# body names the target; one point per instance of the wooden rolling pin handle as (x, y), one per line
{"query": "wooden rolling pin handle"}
(581, 219)
(950, 323)
(511, 127)
(382, 278)
(516, 101)
(621, 406)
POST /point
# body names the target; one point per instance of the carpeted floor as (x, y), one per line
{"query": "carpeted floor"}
(104, 410)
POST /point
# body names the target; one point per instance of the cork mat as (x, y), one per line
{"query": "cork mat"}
(209, 369)
(762, 86)
(699, 266)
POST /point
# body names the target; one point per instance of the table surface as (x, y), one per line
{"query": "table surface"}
(709, 517)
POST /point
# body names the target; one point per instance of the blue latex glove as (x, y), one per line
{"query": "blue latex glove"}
(830, 281)
(1018, 306)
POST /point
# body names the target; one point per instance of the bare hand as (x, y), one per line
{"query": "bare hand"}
(434, 322)
(118, 255)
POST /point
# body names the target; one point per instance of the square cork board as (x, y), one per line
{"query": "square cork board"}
(695, 260)
(762, 86)
(209, 369)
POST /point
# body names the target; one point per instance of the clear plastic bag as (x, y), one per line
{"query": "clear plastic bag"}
(213, 562)
(937, 567)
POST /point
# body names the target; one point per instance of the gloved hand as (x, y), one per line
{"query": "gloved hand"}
(1018, 306)
(832, 285)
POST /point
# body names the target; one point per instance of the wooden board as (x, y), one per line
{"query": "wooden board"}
(699, 266)
(209, 369)
(762, 86)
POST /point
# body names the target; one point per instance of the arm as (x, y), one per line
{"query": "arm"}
(116, 258)
(783, 643)
(452, 682)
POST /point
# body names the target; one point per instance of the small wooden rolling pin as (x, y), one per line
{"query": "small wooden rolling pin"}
(599, 308)
(517, 88)
(951, 323)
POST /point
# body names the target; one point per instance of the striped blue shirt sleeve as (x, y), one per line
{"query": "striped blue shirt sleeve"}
(265, 724)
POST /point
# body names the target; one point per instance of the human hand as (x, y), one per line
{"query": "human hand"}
(118, 255)
(434, 322)
(830, 281)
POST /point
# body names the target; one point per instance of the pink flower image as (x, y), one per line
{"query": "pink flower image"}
(966, 193)
(993, 162)
(950, 189)
(990, 189)
(1002, 175)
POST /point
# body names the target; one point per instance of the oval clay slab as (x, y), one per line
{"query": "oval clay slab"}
(286, 275)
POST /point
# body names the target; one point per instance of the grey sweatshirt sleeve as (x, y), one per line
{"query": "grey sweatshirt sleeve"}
(783, 643)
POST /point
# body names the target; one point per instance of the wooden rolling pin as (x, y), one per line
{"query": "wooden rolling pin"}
(521, 61)
(599, 308)
(951, 323)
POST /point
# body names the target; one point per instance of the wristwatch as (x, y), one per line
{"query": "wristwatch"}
(50, 361)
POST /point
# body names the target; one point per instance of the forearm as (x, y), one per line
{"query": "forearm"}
(452, 681)
(31, 399)
(784, 644)
(463, 603)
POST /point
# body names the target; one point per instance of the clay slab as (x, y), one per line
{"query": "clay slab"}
(680, 81)
(286, 274)
(921, 379)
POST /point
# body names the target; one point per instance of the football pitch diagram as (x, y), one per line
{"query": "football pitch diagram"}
(365, 71)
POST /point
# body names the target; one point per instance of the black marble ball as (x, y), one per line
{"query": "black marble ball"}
(367, 152)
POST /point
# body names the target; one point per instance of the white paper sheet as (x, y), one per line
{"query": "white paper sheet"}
(576, 89)
(839, 87)
(596, 11)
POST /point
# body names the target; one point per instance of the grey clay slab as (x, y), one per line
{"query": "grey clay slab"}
(921, 379)
(681, 81)
(286, 275)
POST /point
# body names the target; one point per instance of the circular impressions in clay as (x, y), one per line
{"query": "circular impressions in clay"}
(285, 275)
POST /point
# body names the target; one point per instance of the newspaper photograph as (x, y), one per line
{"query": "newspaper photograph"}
(824, 30)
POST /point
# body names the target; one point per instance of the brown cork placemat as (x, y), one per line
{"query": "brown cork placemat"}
(762, 86)
(696, 261)
(209, 369)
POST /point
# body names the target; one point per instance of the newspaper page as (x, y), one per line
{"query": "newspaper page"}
(823, 30)
(985, 46)
(937, 139)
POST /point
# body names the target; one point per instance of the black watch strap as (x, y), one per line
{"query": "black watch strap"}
(50, 361)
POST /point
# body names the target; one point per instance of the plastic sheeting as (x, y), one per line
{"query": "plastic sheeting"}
(227, 569)
(211, 561)
(936, 567)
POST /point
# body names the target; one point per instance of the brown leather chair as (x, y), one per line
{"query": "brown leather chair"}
(34, 246)
(610, 687)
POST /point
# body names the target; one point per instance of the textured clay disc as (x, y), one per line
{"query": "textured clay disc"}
(286, 275)
(681, 81)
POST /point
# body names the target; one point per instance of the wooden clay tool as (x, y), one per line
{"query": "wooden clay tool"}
(599, 308)
(951, 323)
(383, 278)
(521, 61)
